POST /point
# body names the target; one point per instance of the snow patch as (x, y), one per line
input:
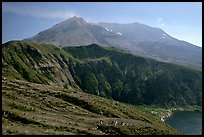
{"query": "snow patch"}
(108, 30)
(119, 33)
(164, 34)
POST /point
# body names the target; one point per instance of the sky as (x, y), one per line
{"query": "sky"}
(181, 20)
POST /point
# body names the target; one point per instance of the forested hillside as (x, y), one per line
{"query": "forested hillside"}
(104, 71)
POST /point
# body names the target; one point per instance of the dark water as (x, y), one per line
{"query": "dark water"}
(187, 122)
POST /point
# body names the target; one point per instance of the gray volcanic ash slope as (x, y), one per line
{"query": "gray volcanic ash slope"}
(136, 38)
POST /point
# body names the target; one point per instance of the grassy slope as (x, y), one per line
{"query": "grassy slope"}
(30, 108)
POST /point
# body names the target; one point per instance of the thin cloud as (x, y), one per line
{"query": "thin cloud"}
(38, 12)
(159, 19)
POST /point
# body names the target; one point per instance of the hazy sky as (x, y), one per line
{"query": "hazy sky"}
(182, 20)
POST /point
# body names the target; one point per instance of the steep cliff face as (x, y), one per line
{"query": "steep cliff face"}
(36, 63)
(122, 76)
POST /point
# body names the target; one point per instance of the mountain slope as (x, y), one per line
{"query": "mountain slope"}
(76, 31)
(40, 109)
(155, 43)
(137, 31)
(117, 74)
(108, 72)
(36, 63)
(137, 38)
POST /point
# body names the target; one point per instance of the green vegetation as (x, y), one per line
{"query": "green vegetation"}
(36, 63)
(45, 88)
(136, 80)
(56, 110)
(103, 71)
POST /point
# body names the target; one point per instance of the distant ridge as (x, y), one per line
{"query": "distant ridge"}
(136, 38)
